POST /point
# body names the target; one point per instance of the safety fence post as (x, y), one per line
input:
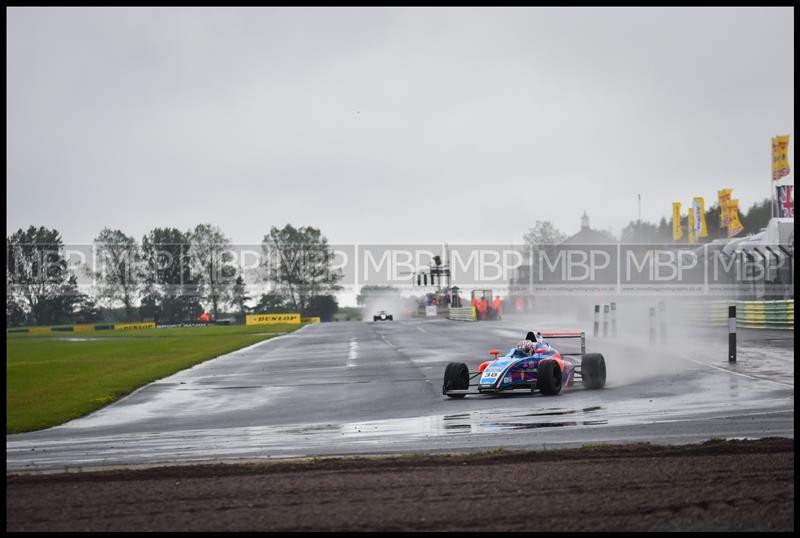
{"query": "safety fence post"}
(662, 321)
(614, 320)
(605, 321)
(652, 325)
(596, 319)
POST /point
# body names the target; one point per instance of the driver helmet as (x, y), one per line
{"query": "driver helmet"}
(527, 346)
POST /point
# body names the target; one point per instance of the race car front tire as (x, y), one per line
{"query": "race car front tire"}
(549, 377)
(456, 377)
(593, 371)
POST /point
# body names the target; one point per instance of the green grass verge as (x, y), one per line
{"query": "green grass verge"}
(55, 377)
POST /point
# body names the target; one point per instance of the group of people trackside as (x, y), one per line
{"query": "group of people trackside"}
(484, 311)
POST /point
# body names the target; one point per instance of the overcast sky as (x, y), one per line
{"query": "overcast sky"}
(382, 125)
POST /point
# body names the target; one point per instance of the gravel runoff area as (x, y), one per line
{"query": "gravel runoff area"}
(714, 486)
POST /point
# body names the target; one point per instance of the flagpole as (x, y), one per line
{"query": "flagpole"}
(640, 208)
(773, 203)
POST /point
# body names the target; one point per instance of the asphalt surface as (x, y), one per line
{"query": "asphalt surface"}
(375, 388)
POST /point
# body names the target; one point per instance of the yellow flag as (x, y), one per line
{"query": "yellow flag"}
(734, 225)
(699, 207)
(692, 237)
(677, 231)
(780, 157)
(724, 201)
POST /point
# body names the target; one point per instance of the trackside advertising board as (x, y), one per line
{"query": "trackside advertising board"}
(269, 319)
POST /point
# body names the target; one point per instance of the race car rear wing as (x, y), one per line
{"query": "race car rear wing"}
(568, 334)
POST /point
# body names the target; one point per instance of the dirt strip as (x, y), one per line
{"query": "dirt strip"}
(718, 485)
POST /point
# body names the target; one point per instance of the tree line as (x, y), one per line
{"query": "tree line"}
(641, 231)
(170, 276)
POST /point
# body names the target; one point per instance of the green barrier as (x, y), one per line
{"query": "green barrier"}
(63, 328)
(466, 313)
(18, 330)
(104, 327)
(749, 314)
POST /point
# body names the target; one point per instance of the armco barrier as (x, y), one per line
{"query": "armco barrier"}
(749, 314)
(466, 313)
(84, 327)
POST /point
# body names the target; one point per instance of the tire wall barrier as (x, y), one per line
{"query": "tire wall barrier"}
(465, 313)
(749, 314)
(134, 326)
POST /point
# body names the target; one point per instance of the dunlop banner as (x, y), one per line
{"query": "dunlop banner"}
(311, 320)
(134, 326)
(734, 224)
(724, 211)
(780, 157)
(269, 319)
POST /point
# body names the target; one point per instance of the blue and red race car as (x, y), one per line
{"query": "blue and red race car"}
(534, 365)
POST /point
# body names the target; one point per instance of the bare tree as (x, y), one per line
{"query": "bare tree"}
(211, 259)
(542, 233)
(298, 264)
(240, 295)
(117, 271)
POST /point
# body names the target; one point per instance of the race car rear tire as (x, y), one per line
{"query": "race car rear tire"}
(390, 318)
(456, 377)
(593, 371)
(549, 377)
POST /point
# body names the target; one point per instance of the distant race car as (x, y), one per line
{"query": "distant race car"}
(538, 367)
(382, 316)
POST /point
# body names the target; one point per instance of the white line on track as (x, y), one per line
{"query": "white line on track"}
(419, 328)
(353, 355)
(717, 417)
(739, 373)
(388, 342)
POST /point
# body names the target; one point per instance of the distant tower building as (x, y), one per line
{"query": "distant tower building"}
(587, 236)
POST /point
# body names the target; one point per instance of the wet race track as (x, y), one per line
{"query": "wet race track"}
(375, 388)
